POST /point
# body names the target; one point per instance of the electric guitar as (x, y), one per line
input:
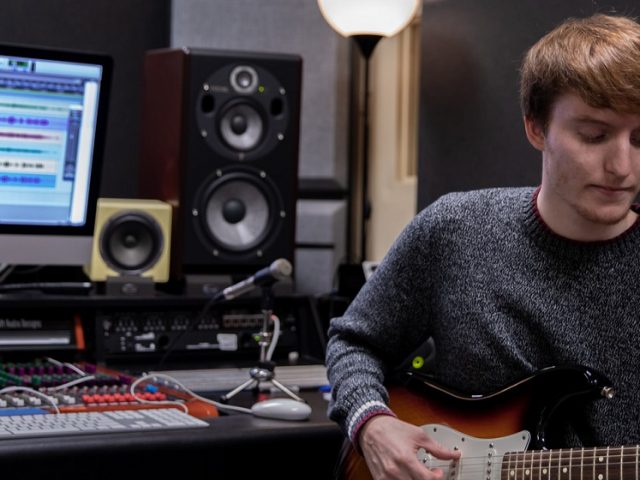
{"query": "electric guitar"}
(504, 435)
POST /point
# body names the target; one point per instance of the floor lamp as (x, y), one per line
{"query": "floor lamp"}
(366, 22)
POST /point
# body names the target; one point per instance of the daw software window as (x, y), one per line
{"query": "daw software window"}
(47, 126)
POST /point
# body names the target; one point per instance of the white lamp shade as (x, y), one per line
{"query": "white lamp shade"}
(382, 18)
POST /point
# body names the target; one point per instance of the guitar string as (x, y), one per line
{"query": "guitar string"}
(547, 456)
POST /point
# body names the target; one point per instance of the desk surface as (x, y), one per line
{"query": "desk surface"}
(234, 446)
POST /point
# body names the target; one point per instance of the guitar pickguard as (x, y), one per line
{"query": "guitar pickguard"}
(481, 457)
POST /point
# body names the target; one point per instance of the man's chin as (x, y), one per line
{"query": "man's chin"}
(609, 216)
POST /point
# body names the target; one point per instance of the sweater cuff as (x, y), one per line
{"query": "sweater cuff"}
(364, 413)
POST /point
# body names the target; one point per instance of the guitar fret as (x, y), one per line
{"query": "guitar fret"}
(628, 463)
(506, 468)
(575, 467)
(600, 464)
(553, 465)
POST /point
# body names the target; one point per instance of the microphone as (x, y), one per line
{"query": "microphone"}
(280, 269)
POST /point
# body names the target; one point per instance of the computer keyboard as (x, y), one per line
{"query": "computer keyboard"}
(24, 426)
(221, 379)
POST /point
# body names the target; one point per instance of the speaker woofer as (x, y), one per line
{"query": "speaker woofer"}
(239, 211)
(131, 242)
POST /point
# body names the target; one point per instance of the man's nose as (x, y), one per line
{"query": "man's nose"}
(620, 157)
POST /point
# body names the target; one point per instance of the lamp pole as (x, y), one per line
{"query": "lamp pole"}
(366, 44)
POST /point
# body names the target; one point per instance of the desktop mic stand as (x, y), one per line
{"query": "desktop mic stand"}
(265, 370)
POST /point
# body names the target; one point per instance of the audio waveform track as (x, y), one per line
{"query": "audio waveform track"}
(28, 180)
(29, 106)
(13, 120)
(30, 136)
(34, 151)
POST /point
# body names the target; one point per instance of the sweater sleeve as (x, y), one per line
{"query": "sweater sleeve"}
(386, 321)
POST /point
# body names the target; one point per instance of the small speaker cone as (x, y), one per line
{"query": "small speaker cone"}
(131, 242)
(241, 127)
(239, 124)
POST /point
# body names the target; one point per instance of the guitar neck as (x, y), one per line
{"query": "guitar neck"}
(599, 463)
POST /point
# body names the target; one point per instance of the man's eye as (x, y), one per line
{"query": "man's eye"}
(592, 137)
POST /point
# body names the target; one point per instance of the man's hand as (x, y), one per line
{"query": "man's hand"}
(390, 447)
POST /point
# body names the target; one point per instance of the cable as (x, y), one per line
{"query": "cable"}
(180, 386)
(66, 364)
(275, 337)
(46, 397)
(192, 324)
(5, 271)
(71, 383)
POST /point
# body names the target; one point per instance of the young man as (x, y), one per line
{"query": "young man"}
(509, 281)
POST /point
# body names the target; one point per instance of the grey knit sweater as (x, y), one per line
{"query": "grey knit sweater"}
(502, 296)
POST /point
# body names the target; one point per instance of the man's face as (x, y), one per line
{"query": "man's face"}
(591, 169)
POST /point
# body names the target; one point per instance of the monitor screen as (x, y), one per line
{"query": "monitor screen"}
(53, 107)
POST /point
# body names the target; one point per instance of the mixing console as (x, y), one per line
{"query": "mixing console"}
(80, 387)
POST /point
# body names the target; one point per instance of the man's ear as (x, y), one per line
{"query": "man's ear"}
(535, 133)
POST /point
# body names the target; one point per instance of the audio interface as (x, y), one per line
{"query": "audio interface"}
(225, 333)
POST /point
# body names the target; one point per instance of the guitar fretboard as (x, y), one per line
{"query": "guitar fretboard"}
(599, 463)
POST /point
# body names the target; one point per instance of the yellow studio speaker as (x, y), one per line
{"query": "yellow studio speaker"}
(132, 237)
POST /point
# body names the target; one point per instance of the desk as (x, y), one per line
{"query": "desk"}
(234, 447)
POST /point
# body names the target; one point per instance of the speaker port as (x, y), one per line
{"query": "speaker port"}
(207, 104)
(277, 107)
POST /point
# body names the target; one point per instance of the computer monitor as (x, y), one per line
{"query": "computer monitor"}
(53, 107)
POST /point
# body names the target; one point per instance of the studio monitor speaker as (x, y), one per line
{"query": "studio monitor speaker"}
(220, 133)
(131, 238)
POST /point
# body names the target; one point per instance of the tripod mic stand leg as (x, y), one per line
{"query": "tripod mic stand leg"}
(238, 389)
(286, 390)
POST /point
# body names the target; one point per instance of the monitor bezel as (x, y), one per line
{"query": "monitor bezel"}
(85, 57)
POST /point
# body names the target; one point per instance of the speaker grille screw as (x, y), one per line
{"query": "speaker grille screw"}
(194, 212)
(263, 175)
(280, 136)
(259, 253)
(205, 87)
(282, 91)
(216, 253)
(283, 214)
(218, 173)
(203, 133)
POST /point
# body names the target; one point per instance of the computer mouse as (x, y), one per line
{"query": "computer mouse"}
(281, 409)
